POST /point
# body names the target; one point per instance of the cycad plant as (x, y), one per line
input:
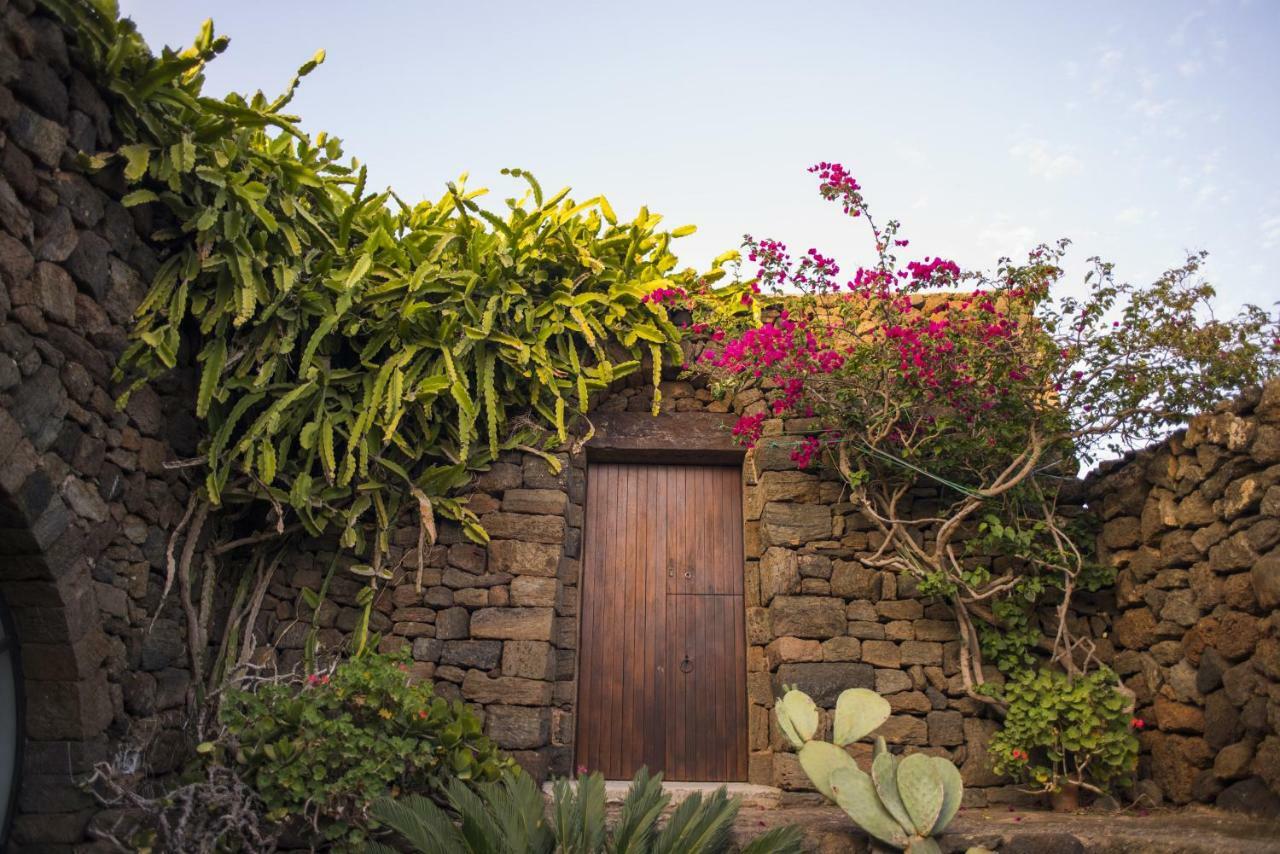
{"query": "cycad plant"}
(510, 817)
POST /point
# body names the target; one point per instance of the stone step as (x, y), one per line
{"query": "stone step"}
(753, 797)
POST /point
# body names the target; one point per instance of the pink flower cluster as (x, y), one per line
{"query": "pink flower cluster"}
(936, 271)
(658, 296)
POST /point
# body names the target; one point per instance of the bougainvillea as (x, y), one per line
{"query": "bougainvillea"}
(989, 388)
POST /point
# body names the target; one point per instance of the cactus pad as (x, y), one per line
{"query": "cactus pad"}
(856, 794)
(952, 791)
(820, 759)
(859, 711)
(920, 787)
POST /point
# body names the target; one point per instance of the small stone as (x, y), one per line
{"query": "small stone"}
(823, 681)
(524, 558)
(1232, 761)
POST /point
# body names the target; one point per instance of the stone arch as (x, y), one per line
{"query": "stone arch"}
(46, 585)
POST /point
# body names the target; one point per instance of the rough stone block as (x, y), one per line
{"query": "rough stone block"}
(787, 524)
(517, 557)
(543, 502)
(807, 617)
(517, 727)
(513, 623)
(529, 659)
(534, 590)
(512, 690)
(823, 681)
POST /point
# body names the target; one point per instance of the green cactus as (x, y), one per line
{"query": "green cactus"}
(903, 802)
(797, 715)
(858, 713)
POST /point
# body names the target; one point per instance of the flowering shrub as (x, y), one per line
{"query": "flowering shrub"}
(1067, 731)
(988, 387)
(325, 746)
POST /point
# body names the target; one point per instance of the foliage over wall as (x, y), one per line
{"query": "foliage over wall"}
(358, 355)
(989, 388)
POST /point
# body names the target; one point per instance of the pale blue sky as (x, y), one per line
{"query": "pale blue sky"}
(1140, 130)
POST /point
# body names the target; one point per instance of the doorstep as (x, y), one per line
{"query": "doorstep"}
(753, 796)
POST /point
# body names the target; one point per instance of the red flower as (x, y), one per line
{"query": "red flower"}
(1137, 723)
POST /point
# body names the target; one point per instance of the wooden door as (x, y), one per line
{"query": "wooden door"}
(662, 654)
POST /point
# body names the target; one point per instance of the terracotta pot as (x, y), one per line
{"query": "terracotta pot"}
(1066, 798)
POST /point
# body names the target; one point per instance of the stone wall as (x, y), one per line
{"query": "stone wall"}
(85, 500)
(1193, 526)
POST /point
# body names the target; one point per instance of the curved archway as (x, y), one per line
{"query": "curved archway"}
(52, 617)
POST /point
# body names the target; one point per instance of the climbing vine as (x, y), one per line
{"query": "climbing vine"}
(357, 356)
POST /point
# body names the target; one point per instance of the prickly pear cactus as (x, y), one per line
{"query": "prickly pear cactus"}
(903, 802)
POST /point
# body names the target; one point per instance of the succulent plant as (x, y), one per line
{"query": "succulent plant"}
(903, 802)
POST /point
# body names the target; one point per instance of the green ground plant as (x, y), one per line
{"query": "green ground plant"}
(325, 746)
(509, 817)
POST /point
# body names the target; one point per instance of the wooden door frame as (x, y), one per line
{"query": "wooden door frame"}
(680, 438)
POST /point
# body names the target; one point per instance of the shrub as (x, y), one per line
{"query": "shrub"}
(325, 746)
(1062, 731)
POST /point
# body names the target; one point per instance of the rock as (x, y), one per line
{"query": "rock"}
(882, 653)
(1178, 717)
(521, 558)
(1232, 553)
(779, 574)
(1266, 764)
(522, 526)
(427, 649)
(976, 768)
(89, 264)
(795, 524)
(517, 727)
(852, 580)
(537, 473)
(1250, 796)
(1136, 628)
(788, 486)
(1221, 720)
(499, 478)
(787, 649)
(42, 138)
(823, 681)
(546, 502)
(1122, 533)
(892, 681)
(946, 728)
(452, 623)
(841, 649)
(533, 590)
(483, 655)
(1265, 576)
(807, 617)
(1237, 635)
(528, 659)
(921, 652)
(1209, 676)
(1232, 762)
(513, 623)
(479, 688)
(1176, 761)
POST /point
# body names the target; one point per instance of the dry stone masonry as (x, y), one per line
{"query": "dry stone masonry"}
(87, 504)
(1194, 527)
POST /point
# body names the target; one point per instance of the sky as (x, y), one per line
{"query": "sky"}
(1140, 130)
